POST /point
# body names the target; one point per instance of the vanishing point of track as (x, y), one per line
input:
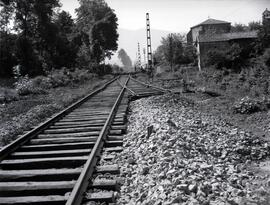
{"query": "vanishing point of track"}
(66, 160)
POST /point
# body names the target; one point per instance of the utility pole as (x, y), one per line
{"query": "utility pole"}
(139, 56)
(144, 56)
(149, 47)
(171, 50)
(135, 63)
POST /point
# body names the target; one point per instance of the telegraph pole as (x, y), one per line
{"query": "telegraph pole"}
(149, 47)
(171, 50)
(144, 56)
(139, 56)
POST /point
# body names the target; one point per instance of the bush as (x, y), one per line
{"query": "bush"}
(266, 57)
(8, 95)
(26, 86)
(60, 78)
(217, 58)
(248, 105)
(230, 58)
(81, 76)
(56, 78)
(102, 69)
(42, 82)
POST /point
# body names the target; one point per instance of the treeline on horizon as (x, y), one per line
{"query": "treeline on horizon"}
(37, 37)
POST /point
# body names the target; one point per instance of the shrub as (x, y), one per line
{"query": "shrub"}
(102, 69)
(81, 75)
(248, 105)
(60, 77)
(230, 58)
(266, 57)
(26, 86)
(56, 78)
(42, 82)
(216, 58)
(8, 95)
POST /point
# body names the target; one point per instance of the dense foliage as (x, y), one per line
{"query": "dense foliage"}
(232, 57)
(37, 37)
(173, 50)
(235, 56)
(96, 31)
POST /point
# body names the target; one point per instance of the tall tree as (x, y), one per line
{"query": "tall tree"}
(97, 27)
(7, 41)
(6, 17)
(173, 48)
(104, 36)
(174, 51)
(66, 49)
(37, 32)
(124, 58)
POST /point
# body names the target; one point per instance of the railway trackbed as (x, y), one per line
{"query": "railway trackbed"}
(66, 160)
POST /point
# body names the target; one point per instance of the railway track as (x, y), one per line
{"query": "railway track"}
(66, 160)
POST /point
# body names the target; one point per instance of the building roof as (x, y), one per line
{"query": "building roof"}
(211, 22)
(227, 36)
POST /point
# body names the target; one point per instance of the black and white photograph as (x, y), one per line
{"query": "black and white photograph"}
(134, 102)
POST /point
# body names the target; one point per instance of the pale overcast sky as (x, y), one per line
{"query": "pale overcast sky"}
(179, 15)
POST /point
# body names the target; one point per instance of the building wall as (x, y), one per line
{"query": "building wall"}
(189, 38)
(207, 29)
(195, 33)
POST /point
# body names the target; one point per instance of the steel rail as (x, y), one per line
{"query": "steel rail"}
(149, 85)
(131, 91)
(81, 185)
(5, 151)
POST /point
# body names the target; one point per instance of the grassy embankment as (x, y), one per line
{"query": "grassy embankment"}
(242, 98)
(27, 102)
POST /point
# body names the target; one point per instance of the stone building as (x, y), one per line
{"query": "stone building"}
(216, 34)
(207, 27)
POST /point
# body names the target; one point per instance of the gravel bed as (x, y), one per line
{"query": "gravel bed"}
(190, 158)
